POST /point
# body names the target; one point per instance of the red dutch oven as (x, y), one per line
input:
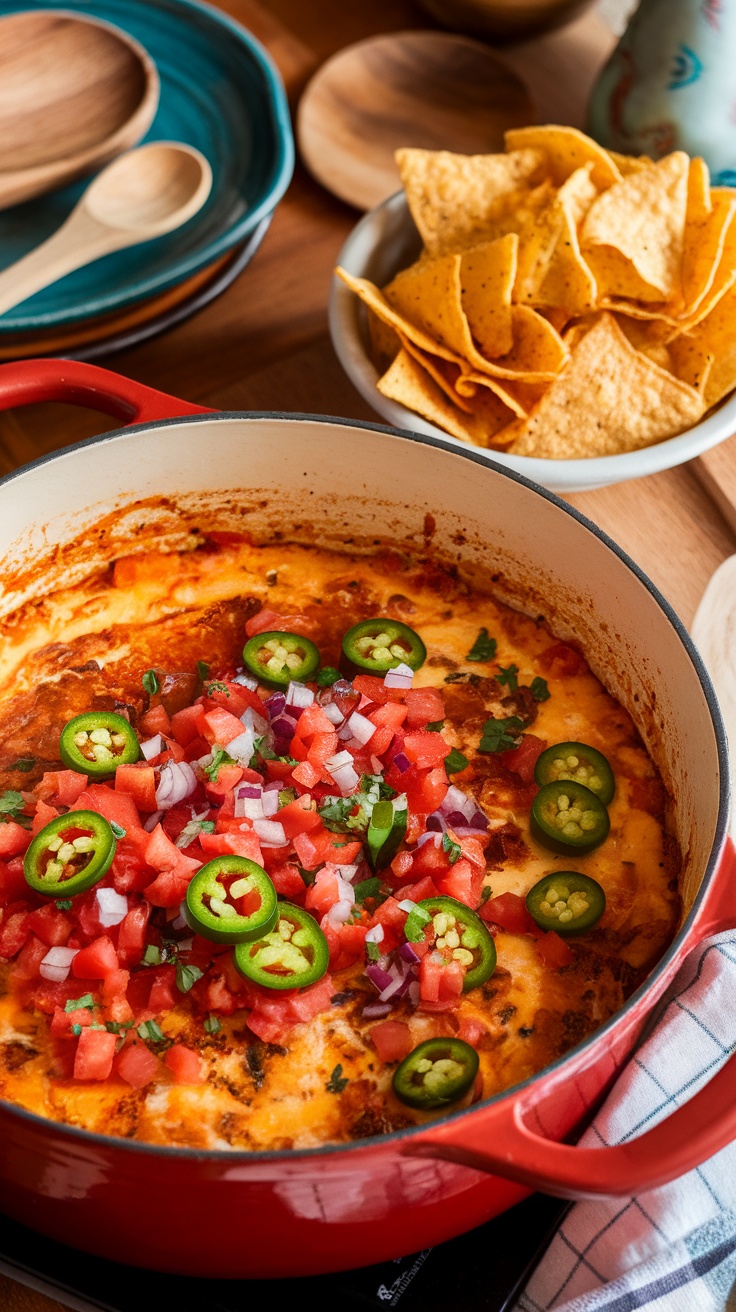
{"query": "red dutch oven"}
(234, 1214)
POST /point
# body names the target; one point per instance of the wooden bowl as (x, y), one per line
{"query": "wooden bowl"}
(74, 93)
(504, 19)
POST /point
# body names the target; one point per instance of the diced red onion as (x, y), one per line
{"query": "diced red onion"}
(275, 703)
(457, 800)
(249, 808)
(152, 821)
(436, 822)
(270, 833)
(391, 989)
(242, 748)
(347, 873)
(478, 821)
(456, 818)
(346, 779)
(179, 921)
(176, 781)
(333, 713)
(363, 729)
(407, 953)
(376, 765)
(294, 712)
(112, 907)
(378, 976)
(345, 733)
(401, 762)
(273, 786)
(298, 694)
(246, 681)
(414, 993)
(339, 912)
(270, 804)
(429, 837)
(152, 746)
(465, 831)
(401, 676)
(257, 724)
(185, 944)
(56, 964)
(249, 790)
(407, 905)
(376, 1010)
(375, 935)
(284, 728)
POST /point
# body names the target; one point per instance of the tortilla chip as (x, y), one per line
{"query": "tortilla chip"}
(410, 385)
(376, 301)
(617, 280)
(691, 361)
(520, 397)
(714, 336)
(444, 372)
(384, 339)
(629, 163)
(566, 149)
(487, 275)
(568, 282)
(609, 399)
(723, 280)
(699, 202)
(705, 243)
(453, 198)
(642, 218)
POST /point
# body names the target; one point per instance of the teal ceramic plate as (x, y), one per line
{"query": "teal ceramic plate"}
(220, 92)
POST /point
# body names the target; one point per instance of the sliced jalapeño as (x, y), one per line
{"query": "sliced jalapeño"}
(97, 742)
(380, 644)
(437, 1072)
(292, 955)
(579, 764)
(567, 902)
(459, 936)
(70, 854)
(231, 900)
(277, 658)
(567, 817)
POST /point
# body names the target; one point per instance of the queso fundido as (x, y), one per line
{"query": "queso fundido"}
(301, 847)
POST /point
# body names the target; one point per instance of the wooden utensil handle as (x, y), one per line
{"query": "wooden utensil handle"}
(28, 381)
(79, 241)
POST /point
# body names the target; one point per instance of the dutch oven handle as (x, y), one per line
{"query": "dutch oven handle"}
(27, 381)
(499, 1139)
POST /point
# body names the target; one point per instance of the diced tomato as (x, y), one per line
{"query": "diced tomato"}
(522, 759)
(311, 1001)
(471, 1030)
(218, 997)
(51, 925)
(321, 748)
(279, 770)
(29, 958)
(130, 874)
(155, 720)
(318, 846)
(424, 706)
(271, 621)
(374, 688)
(188, 724)
(139, 782)
(14, 839)
(312, 721)
(43, 816)
(168, 889)
(392, 1040)
(13, 933)
(269, 1027)
(462, 881)
(221, 726)
(426, 750)
(440, 981)
(185, 1066)
(305, 774)
(137, 1065)
(12, 882)
(390, 715)
(163, 995)
(119, 1009)
(115, 984)
(288, 882)
(96, 961)
(346, 942)
(509, 911)
(418, 892)
(324, 892)
(561, 660)
(63, 1020)
(553, 949)
(176, 819)
(298, 817)
(95, 1051)
(425, 789)
(132, 934)
(393, 919)
(227, 777)
(235, 698)
(160, 852)
(401, 866)
(243, 842)
(64, 785)
(117, 807)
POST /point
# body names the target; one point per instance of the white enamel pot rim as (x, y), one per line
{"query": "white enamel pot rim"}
(166, 430)
(384, 241)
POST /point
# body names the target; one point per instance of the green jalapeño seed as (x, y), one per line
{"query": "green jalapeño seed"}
(69, 855)
(231, 900)
(97, 742)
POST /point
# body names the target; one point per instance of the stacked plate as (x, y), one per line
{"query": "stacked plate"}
(221, 93)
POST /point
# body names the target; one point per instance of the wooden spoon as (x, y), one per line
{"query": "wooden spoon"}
(143, 194)
(426, 89)
(74, 93)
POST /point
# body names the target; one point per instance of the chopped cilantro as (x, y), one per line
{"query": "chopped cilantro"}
(508, 677)
(220, 757)
(192, 830)
(152, 955)
(483, 649)
(455, 761)
(76, 1030)
(487, 892)
(327, 676)
(308, 876)
(373, 951)
(213, 1024)
(12, 805)
(217, 686)
(501, 735)
(369, 888)
(150, 682)
(436, 726)
(385, 791)
(118, 831)
(86, 1002)
(186, 977)
(453, 850)
(117, 1026)
(64, 905)
(151, 1031)
(337, 1080)
(539, 690)
(203, 671)
(24, 764)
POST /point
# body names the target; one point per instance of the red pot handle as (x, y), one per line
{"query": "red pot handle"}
(27, 381)
(501, 1142)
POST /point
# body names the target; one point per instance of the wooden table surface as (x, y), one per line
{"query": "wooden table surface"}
(264, 344)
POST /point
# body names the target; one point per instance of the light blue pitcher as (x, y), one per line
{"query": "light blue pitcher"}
(670, 84)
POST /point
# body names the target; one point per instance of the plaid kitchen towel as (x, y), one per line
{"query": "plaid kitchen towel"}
(673, 1249)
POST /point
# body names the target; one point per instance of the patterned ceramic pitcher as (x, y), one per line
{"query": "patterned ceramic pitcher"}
(671, 85)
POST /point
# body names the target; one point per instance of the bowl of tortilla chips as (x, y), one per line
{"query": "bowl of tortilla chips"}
(569, 309)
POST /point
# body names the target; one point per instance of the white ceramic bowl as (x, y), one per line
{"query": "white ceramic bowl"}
(385, 241)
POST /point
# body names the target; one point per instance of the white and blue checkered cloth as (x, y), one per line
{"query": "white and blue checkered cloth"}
(673, 1249)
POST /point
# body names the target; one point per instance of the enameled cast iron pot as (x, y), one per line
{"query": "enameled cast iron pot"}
(282, 1213)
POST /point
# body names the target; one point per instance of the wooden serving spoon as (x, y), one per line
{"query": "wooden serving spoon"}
(143, 194)
(426, 89)
(74, 93)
